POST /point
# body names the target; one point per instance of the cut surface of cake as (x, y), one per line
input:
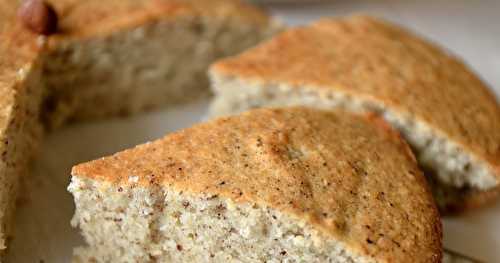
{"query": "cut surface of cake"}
(270, 185)
(106, 58)
(360, 63)
(124, 56)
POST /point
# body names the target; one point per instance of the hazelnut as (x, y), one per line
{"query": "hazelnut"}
(38, 16)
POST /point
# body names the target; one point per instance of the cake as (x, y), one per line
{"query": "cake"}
(69, 60)
(118, 57)
(447, 114)
(271, 185)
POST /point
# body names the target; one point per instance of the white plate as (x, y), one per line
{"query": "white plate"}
(468, 28)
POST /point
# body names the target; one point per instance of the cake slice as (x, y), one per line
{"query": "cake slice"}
(270, 185)
(125, 56)
(105, 58)
(446, 113)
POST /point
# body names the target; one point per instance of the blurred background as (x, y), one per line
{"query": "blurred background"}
(470, 29)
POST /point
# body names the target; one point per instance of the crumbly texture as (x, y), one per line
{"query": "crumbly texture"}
(349, 182)
(18, 141)
(191, 228)
(157, 64)
(159, 58)
(108, 59)
(448, 116)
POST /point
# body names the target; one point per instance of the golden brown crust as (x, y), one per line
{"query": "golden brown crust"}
(453, 201)
(350, 176)
(380, 62)
(472, 200)
(476, 199)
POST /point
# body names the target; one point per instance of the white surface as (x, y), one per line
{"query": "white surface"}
(470, 29)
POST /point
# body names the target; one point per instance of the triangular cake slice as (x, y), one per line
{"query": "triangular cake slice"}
(107, 58)
(270, 185)
(446, 113)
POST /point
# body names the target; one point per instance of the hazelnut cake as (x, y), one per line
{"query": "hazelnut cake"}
(270, 185)
(66, 60)
(445, 112)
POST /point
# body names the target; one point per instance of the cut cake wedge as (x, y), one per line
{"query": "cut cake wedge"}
(270, 185)
(446, 113)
